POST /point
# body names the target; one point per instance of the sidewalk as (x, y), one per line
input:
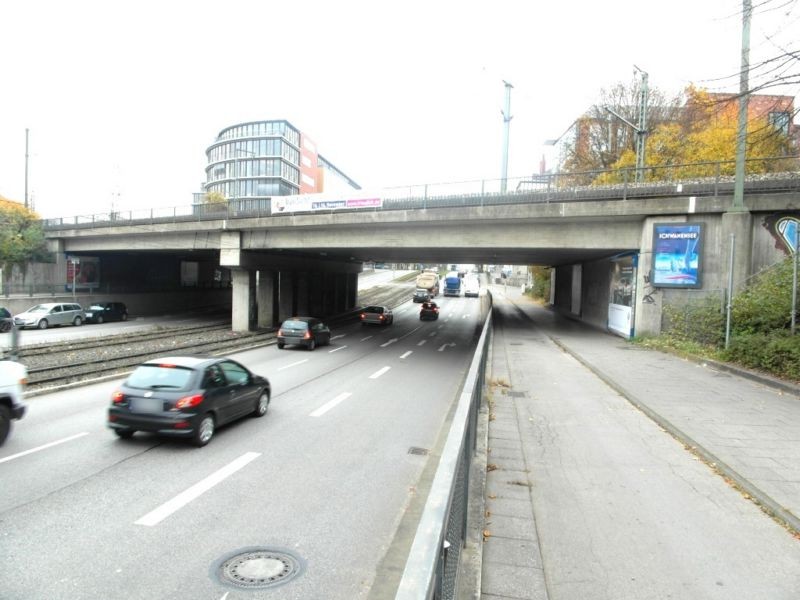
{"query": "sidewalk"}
(747, 431)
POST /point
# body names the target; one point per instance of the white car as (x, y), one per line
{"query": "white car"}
(52, 313)
(472, 289)
(13, 377)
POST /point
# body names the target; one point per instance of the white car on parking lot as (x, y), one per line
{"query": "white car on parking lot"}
(49, 314)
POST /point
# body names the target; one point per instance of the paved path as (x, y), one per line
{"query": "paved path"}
(587, 496)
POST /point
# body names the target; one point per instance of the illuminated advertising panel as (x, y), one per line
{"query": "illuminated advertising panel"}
(677, 254)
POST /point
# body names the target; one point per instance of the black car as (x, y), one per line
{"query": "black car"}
(428, 310)
(421, 296)
(187, 396)
(6, 320)
(100, 312)
(303, 331)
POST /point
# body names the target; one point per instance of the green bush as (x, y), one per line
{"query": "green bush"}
(766, 304)
(777, 352)
(698, 321)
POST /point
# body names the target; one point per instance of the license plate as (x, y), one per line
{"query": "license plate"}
(147, 405)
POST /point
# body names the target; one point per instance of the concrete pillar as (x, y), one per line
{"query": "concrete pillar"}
(302, 303)
(243, 299)
(286, 291)
(265, 298)
(352, 291)
(740, 224)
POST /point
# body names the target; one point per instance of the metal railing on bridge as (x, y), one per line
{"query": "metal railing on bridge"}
(763, 175)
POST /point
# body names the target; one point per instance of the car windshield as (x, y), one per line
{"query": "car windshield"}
(97, 307)
(157, 376)
(39, 308)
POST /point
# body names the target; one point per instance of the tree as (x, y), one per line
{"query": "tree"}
(599, 138)
(705, 132)
(21, 236)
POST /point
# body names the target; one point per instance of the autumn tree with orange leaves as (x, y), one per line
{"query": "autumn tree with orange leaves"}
(21, 236)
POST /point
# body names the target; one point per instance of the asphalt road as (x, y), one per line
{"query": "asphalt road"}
(325, 476)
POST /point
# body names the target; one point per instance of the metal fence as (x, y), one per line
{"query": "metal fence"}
(764, 175)
(431, 571)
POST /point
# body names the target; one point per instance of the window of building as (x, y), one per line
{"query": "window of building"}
(780, 121)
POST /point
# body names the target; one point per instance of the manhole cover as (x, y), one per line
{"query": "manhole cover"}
(259, 568)
(419, 451)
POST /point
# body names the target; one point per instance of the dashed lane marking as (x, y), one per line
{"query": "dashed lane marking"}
(294, 364)
(329, 405)
(44, 447)
(379, 372)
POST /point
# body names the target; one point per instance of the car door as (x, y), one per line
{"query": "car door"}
(217, 393)
(322, 334)
(56, 315)
(243, 393)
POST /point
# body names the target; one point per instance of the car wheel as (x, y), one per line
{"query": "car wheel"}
(77, 321)
(204, 431)
(312, 344)
(4, 327)
(125, 434)
(262, 405)
(281, 345)
(99, 319)
(5, 423)
(42, 324)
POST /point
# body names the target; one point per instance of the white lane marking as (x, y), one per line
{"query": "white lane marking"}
(329, 405)
(450, 344)
(294, 364)
(336, 337)
(422, 342)
(366, 338)
(464, 316)
(379, 372)
(336, 349)
(154, 517)
(44, 447)
(224, 596)
(391, 341)
(407, 354)
(433, 333)
(442, 347)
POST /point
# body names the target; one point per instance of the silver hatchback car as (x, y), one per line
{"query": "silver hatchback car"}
(49, 314)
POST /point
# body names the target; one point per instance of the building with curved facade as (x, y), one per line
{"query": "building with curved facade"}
(262, 159)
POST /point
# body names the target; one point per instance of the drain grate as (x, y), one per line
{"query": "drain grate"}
(419, 451)
(516, 394)
(259, 568)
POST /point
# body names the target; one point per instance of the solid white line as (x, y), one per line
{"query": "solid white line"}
(410, 352)
(366, 338)
(336, 337)
(379, 372)
(329, 405)
(337, 349)
(433, 333)
(299, 362)
(44, 447)
(422, 342)
(154, 517)
(391, 341)
(443, 347)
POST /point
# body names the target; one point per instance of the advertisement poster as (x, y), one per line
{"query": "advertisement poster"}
(84, 271)
(312, 202)
(677, 251)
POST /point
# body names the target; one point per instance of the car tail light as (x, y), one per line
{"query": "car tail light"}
(117, 397)
(166, 366)
(280, 332)
(381, 317)
(307, 335)
(189, 401)
(363, 315)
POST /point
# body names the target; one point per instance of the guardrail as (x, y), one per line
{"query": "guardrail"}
(763, 175)
(431, 571)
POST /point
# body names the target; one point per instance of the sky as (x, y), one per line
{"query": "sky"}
(121, 99)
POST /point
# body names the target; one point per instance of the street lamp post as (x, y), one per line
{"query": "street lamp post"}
(235, 178)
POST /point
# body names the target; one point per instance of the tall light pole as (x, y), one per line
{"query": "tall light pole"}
(506, 128)
(640, 128)
(26, 167)
(741, 129)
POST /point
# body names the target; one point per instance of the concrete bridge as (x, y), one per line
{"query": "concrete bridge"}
(304, 255)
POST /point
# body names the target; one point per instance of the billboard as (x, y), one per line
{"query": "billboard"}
(677, 253)
(312, 202)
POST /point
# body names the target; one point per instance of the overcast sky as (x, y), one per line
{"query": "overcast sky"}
(122, 98)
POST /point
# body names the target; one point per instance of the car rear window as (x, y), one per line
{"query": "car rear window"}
(296, 325)
(155, 376)
(374, 309)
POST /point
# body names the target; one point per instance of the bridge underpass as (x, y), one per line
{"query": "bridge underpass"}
(580, 238)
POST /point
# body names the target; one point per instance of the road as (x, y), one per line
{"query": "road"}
(325, 477)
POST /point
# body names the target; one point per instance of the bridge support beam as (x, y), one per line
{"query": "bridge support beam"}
(740, 224)
(286, 294)
(243, 300)
(266, 297)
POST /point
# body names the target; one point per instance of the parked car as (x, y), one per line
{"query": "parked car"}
(303, 331)
(377, 315)
(6, 320)
(187, 397)
(421, 296)
(100, 312)
(429, 310)
(52, 313)
(13, 377)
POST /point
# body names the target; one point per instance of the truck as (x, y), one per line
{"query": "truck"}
(13, 377)
(428, 280)
(452, 284)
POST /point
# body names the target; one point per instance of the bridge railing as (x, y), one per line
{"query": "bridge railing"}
(762, 175)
